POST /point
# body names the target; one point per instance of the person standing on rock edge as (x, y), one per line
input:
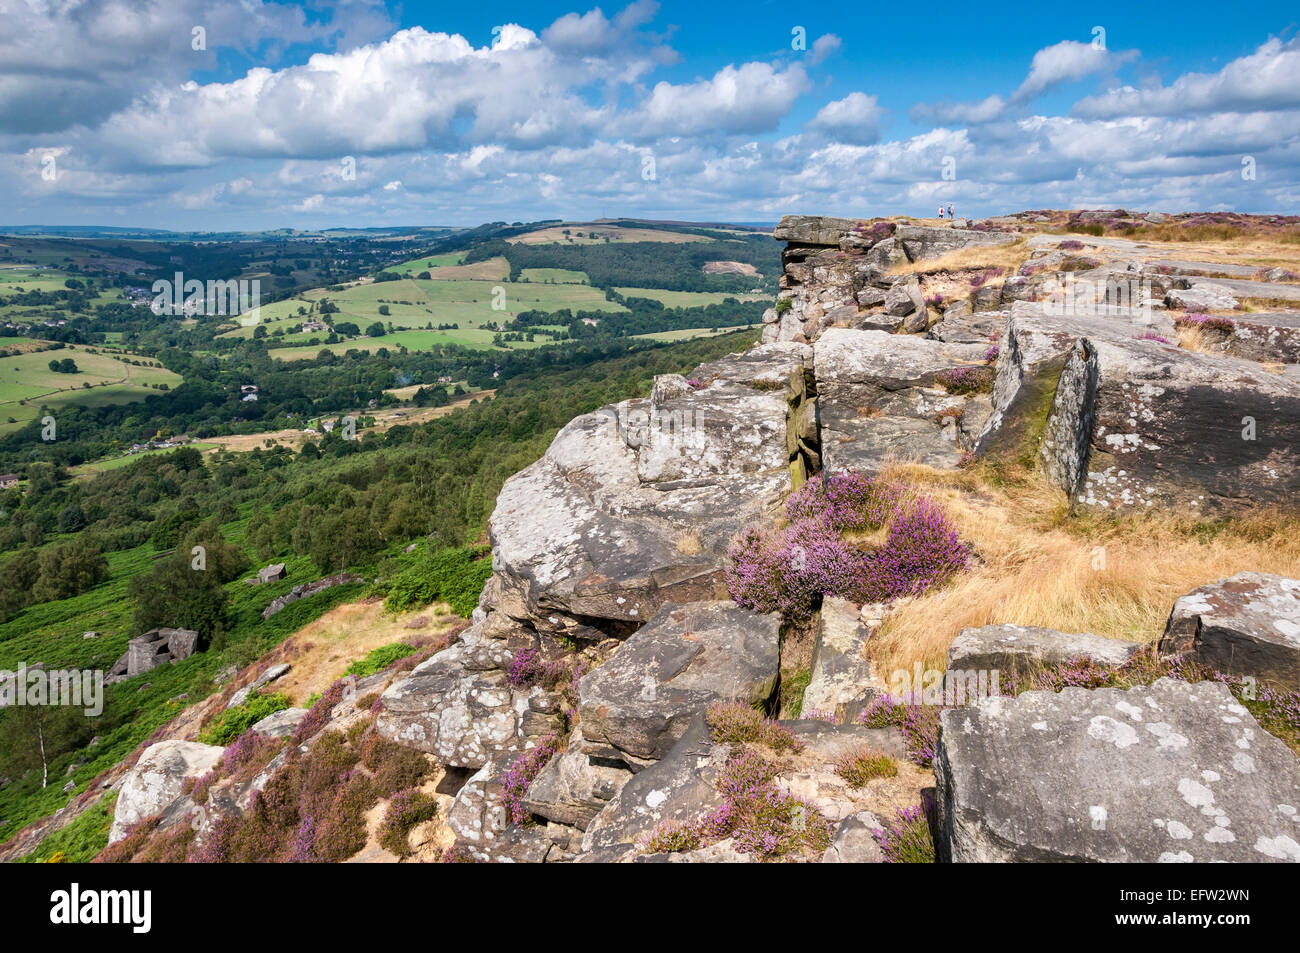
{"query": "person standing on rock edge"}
(941, 213)
(950, 211)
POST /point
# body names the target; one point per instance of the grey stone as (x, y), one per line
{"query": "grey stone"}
(922, 242)
(282, 723)
(155, 782)
(879, 398)
(904, 297)
(842, 680)
(636, 505)
(572, 790)
(1204, 296)
(854, 842)
(462, 716)
(638, 703)
(1023, 648)
(271, 573)
(1248, 624)
(678, 787)
(814, 229)
(1174, 772)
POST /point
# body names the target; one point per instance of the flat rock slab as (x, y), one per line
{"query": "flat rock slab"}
(1240, 288)
(814, 229)
(1246, 625)
(1133, 423)
(281, 723)
(1138, 423)
(1022, 648)
(1261, 336)
(879, 399)
(637, 704)
(1174, 772)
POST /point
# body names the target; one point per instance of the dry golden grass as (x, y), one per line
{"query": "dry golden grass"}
(322, 650)
(1076, 573)
(1007, 257)
(384, 419)
(1191, 338)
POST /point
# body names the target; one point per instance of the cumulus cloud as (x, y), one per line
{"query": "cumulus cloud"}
(1067, 62)
(748, 99)
(1267, 79)
(824, 46)
(1064, 62)
(555, 120)
(69, 62)
(856, 118)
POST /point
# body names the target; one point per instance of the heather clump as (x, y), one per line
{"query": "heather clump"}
(905, 838)
(967, 380)
(734, 723)
(250, 753)
(760, 817)
(394, 767)
(672, 836)
(979, 279)
(791, 569)
(407, 809)
(517, 778)
(919, 723)
(1212, 322)
(319, 713)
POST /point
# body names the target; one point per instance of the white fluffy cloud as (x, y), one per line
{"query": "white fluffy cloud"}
(425, 126)
(68, 62)
(1268, 79)
(856, 119)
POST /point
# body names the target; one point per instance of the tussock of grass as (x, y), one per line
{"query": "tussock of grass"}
(1009, 257)
(1037, 565)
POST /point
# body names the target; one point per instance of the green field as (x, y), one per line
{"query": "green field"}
(428, 264)
(27, 383)
(558, 276)
(126, 459)
(687, 299)
(415, 303)
(685, 334)
(479, 338)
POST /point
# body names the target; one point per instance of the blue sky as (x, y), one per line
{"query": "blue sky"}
(357, 113)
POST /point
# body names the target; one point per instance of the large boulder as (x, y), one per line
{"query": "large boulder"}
(880, 398)
(637, 504)
(1174, 772)
(1133, 423)
(154, 784)
(637, 704)
(1023, 648)
(814, 229)
(1246, 625)
(461, 707)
